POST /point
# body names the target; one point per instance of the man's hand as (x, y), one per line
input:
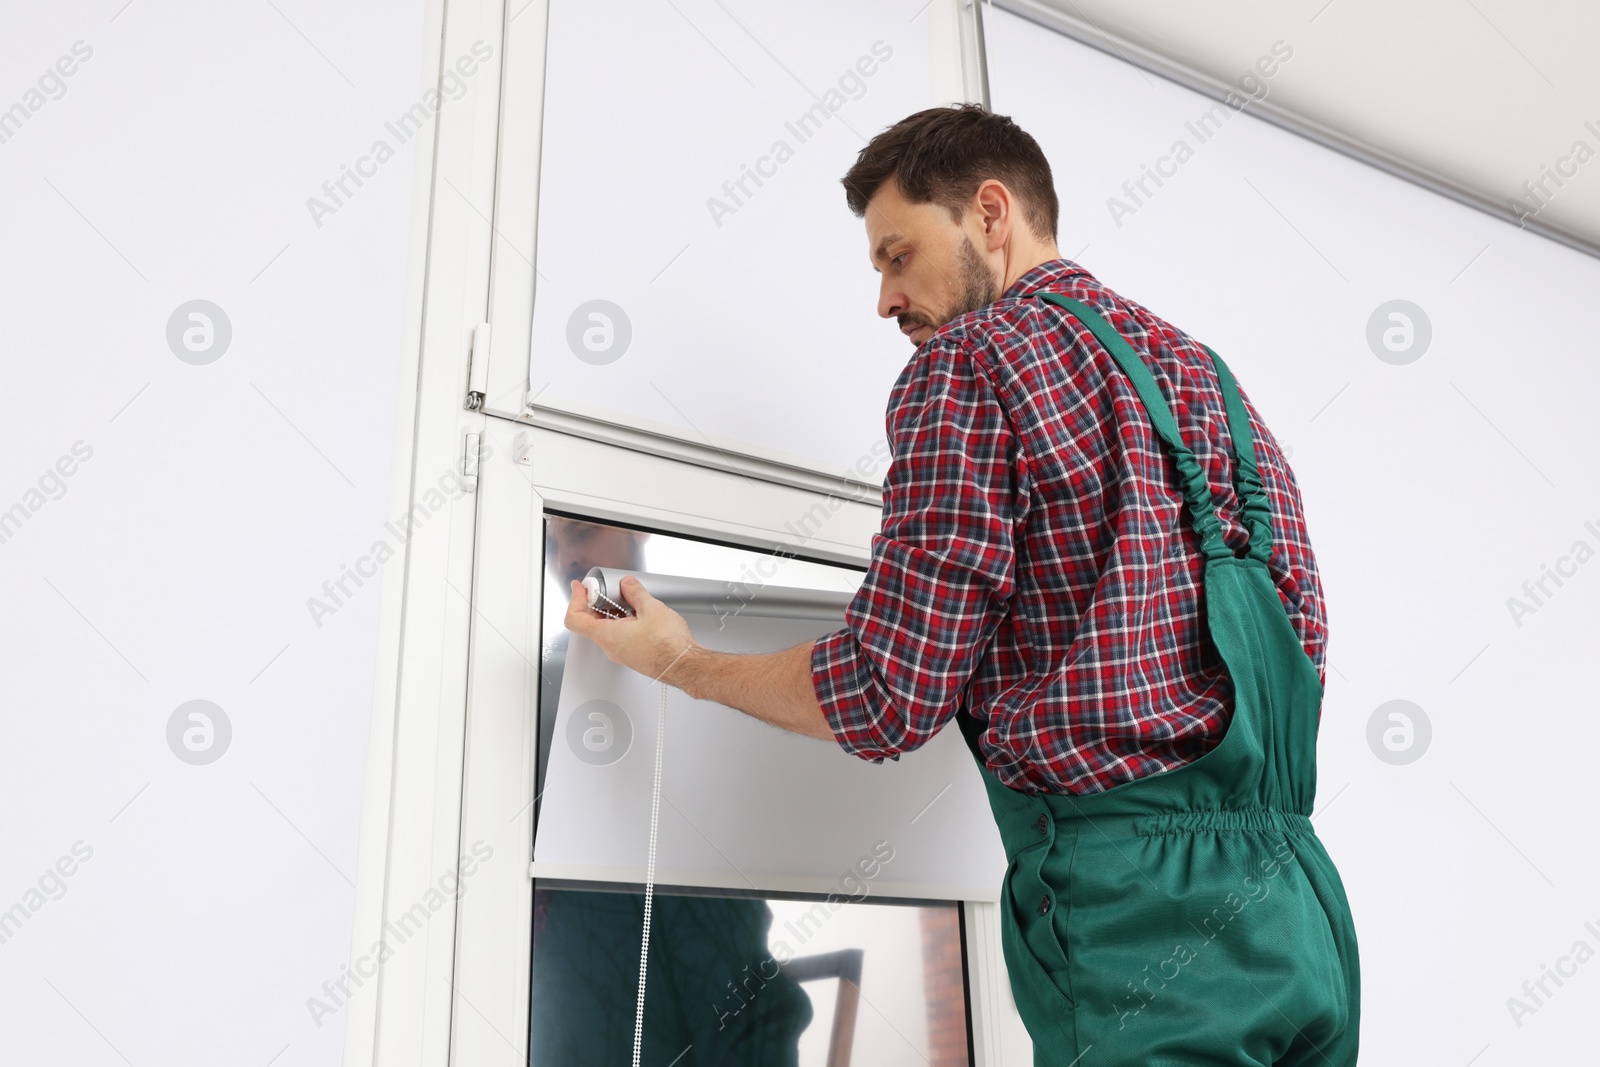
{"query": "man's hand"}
(652, 642)
(775, 687)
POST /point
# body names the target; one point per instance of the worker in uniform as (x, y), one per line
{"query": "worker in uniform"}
(1093, 556)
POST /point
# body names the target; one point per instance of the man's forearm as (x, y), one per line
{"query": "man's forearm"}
(774, 687)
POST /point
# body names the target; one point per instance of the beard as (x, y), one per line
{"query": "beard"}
(977, 288)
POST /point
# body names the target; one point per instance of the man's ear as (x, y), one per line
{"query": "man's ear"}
(994, 207)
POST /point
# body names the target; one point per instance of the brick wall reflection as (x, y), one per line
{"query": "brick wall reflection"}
(945, 986)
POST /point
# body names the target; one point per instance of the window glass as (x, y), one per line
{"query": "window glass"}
(736, 979)
(697, 265)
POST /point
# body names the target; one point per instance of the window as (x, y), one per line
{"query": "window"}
(681, 163)
(740, 972)
(737, 979)
(745, 805)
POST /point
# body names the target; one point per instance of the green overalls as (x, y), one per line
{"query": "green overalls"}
(1191, 916)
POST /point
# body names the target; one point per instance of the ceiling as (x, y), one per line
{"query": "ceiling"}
(1472, 97)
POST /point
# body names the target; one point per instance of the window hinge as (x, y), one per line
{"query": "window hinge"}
(469, 462)
(478, 367)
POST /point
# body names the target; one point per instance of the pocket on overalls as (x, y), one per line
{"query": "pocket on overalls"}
(1334, 954)
(1035, 919)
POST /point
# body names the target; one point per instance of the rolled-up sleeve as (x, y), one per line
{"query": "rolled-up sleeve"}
(942, 570)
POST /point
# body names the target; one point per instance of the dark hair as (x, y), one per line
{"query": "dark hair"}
(943, 154)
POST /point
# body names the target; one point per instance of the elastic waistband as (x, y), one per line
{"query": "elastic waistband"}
(1020, 827)
(1178, 822)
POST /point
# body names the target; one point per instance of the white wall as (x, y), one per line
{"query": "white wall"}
(176, 561)
(1488, 95)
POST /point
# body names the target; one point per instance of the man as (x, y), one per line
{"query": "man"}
(1094, 558)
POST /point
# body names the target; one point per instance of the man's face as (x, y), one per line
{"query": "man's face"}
(572, 546)
(932, 269)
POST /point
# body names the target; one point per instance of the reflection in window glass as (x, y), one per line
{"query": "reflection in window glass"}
(736, 980)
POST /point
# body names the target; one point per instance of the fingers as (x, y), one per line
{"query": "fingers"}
(577, 608)
(634, 592)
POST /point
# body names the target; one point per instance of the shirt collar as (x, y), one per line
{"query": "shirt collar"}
(1044, 276)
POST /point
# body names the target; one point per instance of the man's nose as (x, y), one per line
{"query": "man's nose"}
(891, 303)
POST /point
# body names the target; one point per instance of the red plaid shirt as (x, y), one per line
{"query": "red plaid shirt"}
(1035, 565)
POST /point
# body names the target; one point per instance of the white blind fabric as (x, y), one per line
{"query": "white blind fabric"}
(708, 139)
(746, 805)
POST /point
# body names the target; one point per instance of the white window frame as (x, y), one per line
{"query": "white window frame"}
(530, 470)
(958, 74)
(452, 721)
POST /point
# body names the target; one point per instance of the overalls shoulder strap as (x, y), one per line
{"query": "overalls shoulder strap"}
(1196, 491)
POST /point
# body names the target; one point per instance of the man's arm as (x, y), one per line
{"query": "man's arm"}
(774, 687)
(940, 582)
(942, 575)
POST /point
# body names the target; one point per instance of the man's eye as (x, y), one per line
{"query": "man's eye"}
(896, 260)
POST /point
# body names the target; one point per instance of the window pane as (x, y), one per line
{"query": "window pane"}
(697, 263)
(739, 979)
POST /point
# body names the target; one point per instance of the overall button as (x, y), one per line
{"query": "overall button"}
(1043, 824)
(1044, 905)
